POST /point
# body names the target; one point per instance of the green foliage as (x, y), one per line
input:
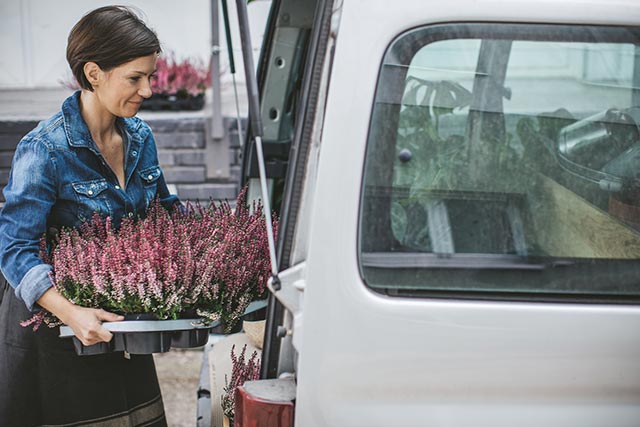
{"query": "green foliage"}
(436, 162)
(444, 156)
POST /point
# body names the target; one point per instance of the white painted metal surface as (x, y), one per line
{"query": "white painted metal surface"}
(370, 360)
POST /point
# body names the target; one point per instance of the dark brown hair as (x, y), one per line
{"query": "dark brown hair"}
(109, 36)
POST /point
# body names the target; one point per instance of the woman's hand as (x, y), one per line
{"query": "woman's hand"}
(86, 323)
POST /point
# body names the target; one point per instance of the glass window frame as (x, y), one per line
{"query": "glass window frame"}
(400, 53)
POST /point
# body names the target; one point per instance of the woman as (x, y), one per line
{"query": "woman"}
(93, 155)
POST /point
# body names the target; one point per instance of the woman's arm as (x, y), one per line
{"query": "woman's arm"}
(30, 195)
(86, 323)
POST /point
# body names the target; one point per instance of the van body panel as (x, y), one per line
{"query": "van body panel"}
(366, 359)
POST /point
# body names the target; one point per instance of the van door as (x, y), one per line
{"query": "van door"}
(473, 242)
(291, 61)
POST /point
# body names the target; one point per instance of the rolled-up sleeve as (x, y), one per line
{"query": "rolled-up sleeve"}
(29, 197)
(167, 200)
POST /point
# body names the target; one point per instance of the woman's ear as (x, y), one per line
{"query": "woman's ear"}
(93, 73)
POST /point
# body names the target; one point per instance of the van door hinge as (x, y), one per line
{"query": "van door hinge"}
(288, 287)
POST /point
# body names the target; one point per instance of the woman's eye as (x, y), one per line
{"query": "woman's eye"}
(134, 79)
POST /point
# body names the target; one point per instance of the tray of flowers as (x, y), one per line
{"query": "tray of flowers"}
(175, 276)
(140, 335)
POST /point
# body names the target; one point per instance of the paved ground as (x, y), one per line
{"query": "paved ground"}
(178, 373)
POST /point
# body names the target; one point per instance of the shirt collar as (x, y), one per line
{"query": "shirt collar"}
(78, 133)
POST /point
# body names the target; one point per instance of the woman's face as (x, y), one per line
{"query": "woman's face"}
(122, 89)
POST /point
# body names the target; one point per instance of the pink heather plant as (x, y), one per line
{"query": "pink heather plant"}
(181, 78)
(214, 260)
(241, 265)
(241, 372)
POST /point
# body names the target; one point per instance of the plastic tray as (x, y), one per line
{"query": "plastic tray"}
(145, 336)
(157, 336)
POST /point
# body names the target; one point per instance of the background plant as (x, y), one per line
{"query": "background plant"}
(180, 77)
(241, 372)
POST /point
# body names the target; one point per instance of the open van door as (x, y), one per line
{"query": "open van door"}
(288, 60)
(459, 241)
(290, 66)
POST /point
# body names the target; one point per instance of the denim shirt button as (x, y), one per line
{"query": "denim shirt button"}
(134, 153)
(150, 177)
(90, 192)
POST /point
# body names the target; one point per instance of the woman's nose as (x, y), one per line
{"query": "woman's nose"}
(145, 90)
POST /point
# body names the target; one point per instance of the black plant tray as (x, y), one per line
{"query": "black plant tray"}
(160, 102)
(146, 336)
(190, 339)
(158, 336)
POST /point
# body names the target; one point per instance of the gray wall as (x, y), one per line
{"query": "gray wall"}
(181, 151)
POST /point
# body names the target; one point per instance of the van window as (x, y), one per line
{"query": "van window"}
(503, 161)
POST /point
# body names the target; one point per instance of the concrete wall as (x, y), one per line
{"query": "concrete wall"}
(182, 155)
(181, 152)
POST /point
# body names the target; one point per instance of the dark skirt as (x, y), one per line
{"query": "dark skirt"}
(44, 382)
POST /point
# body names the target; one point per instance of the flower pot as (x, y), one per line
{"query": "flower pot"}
(255, 331)
(257, 310)
(223, 327)
(164, 102)
(146, 342)
(190, 339)
(90, 350)
(189, 313)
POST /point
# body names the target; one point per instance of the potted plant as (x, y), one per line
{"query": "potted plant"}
(178, 84)
(211, 261)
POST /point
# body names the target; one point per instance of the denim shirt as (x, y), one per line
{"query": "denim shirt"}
(59, 179)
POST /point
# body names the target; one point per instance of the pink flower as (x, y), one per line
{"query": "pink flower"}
(211, 258)
(175, 77)
(241, 372)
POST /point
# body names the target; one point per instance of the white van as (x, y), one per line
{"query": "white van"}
(459, 190)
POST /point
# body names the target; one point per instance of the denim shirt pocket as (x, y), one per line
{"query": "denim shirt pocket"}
(92, 197)
(149, 177)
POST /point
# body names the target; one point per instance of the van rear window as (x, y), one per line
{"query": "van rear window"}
(503, 161)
